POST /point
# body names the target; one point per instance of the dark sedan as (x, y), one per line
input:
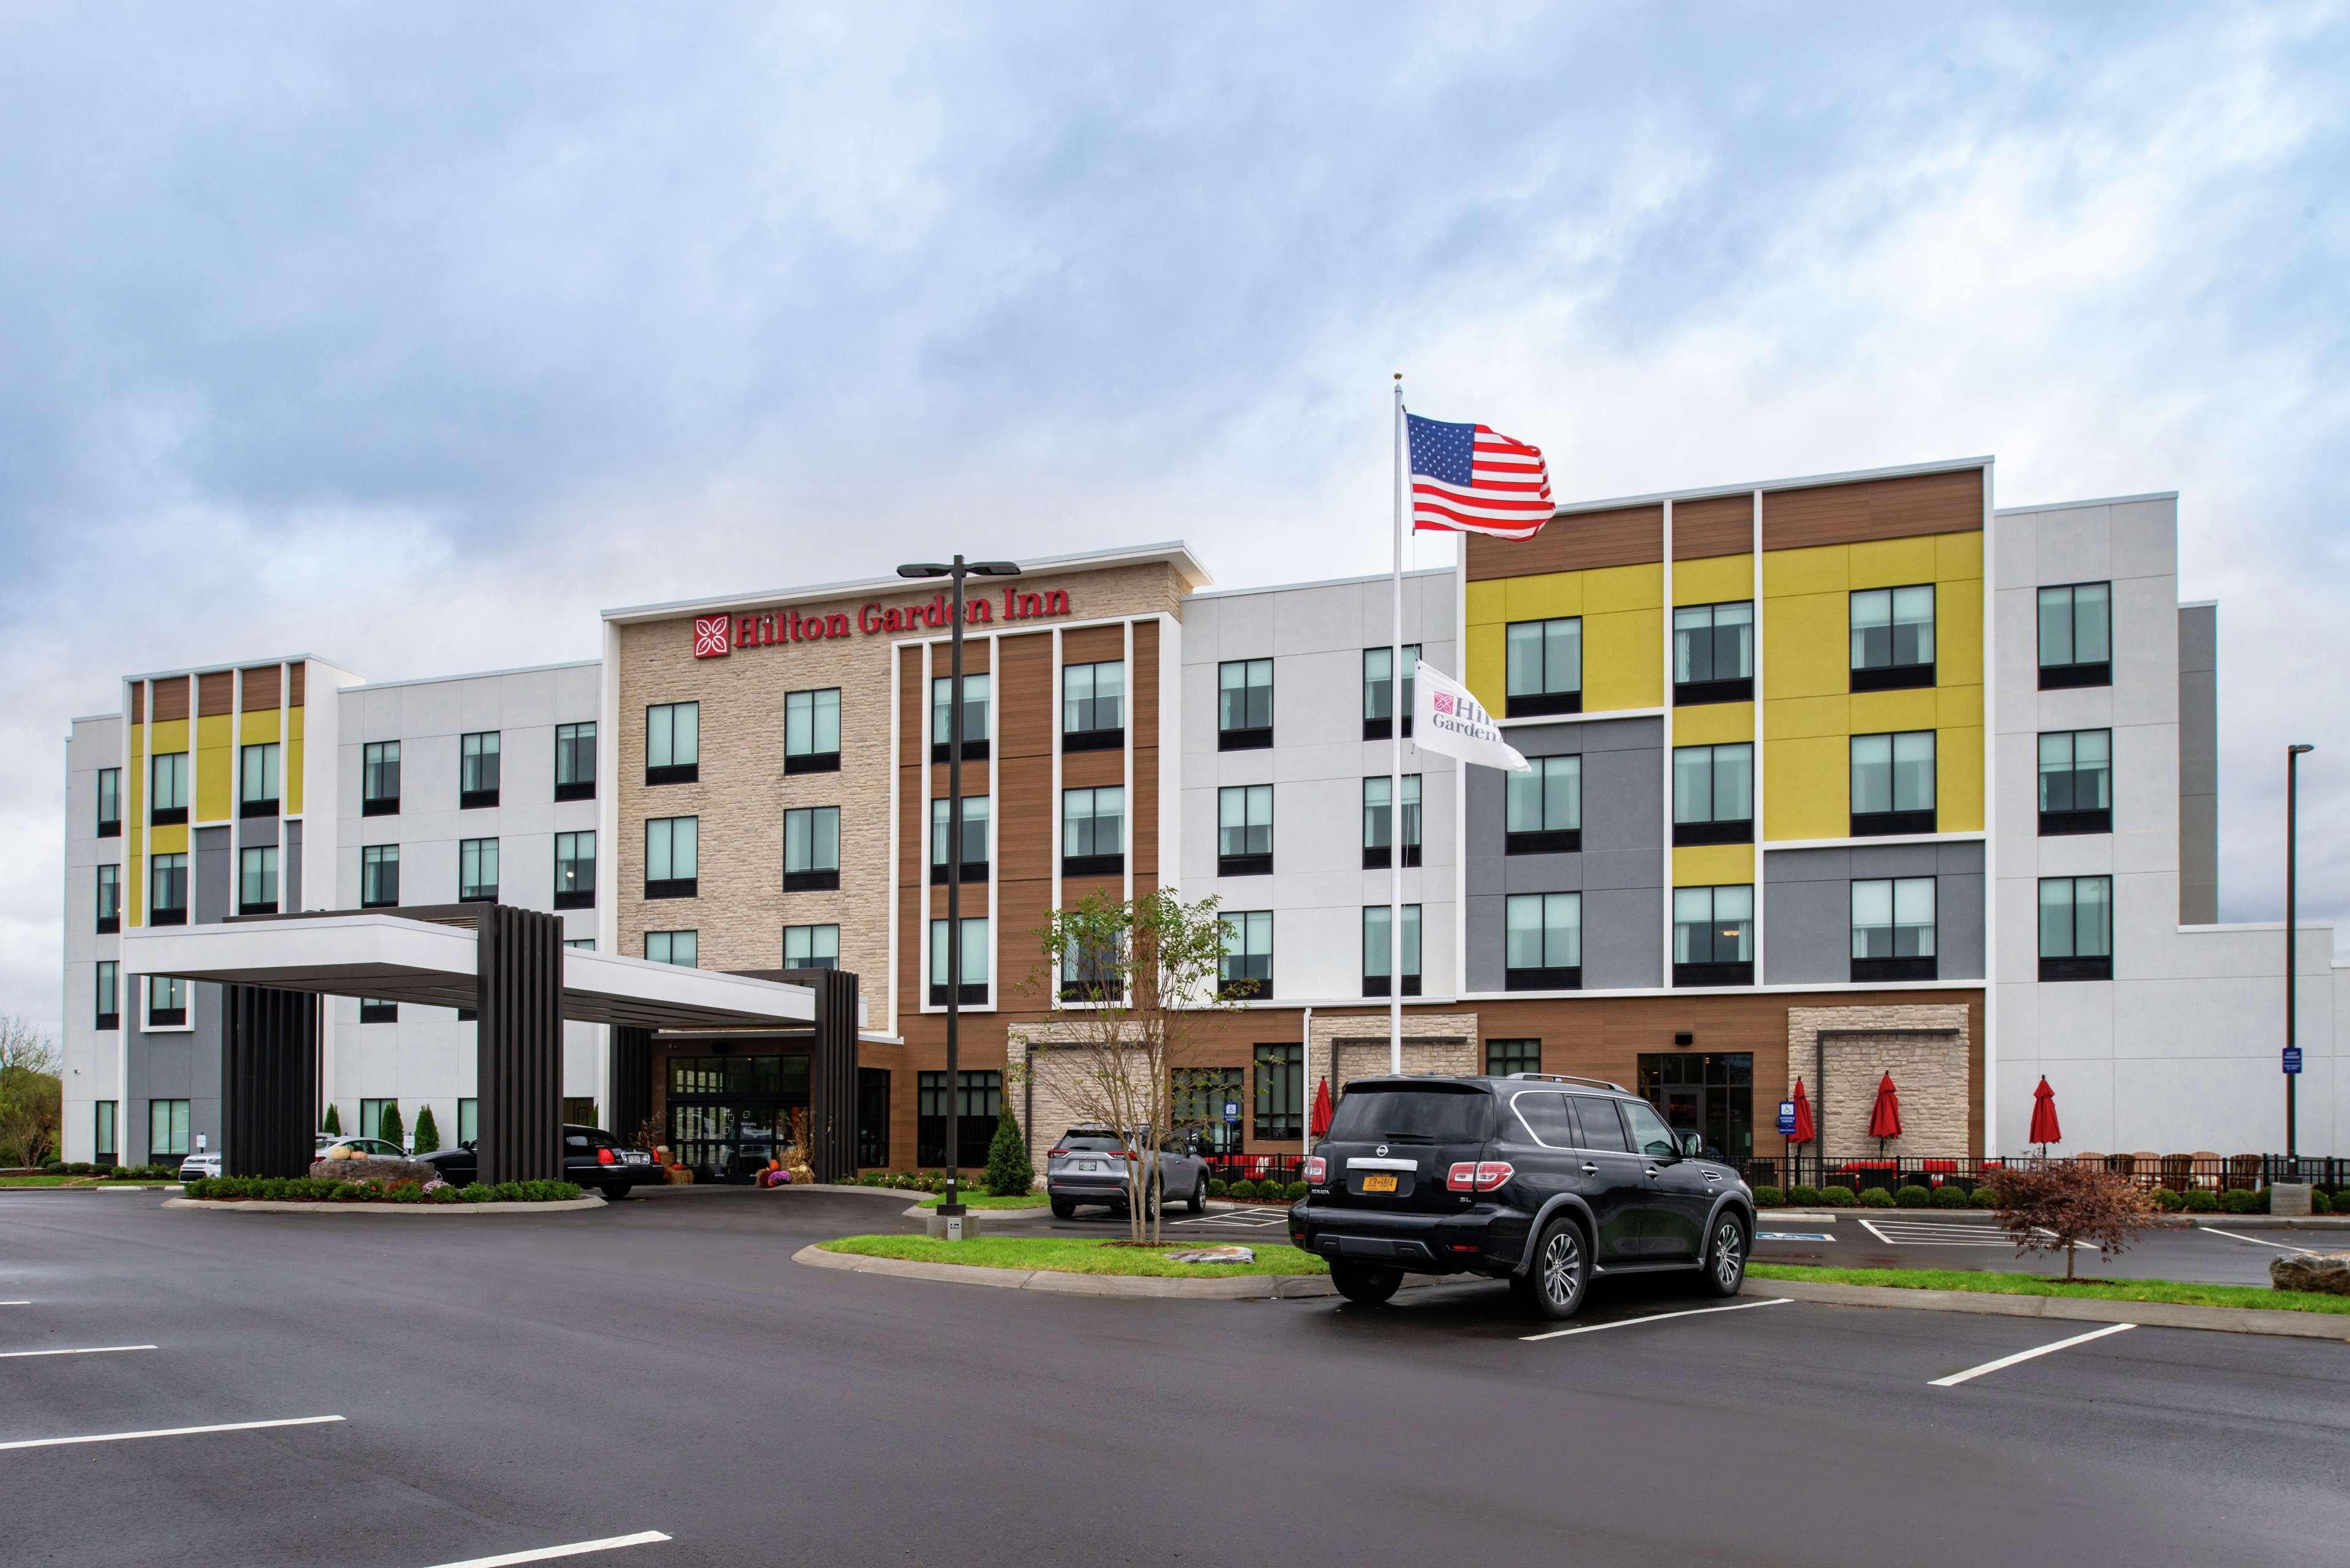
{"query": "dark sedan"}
(591, 1156)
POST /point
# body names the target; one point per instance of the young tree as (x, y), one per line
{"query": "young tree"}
(31, 1092)
(1137, 979)
(2066, 1203)
(388, 1125)
(333, 1126)
(1009, 1172)
(428, 1132)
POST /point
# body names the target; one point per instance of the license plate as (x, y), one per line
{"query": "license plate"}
(1379, 1184)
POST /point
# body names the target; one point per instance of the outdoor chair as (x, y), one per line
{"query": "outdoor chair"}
(2244, 1172)
(2208, 1166)
(2179, 1171)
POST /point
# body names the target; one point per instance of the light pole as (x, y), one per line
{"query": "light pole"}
(2292, 833)
(951, 1202)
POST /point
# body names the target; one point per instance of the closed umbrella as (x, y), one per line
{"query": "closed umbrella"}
(2044, 1130)
(1884, 1116)
(1805, 1131)
(1321, 1122)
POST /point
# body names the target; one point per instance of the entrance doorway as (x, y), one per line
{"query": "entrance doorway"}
(729, 1115)
(1709, 1092)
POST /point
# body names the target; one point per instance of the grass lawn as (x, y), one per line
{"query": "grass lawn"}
(83, 1181)
(1074, 1256)
(2177, 1291)
(986, 1201)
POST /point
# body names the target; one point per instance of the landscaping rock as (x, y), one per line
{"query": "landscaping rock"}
(1215, 1255)
(2327, 1273)
(374, 1168)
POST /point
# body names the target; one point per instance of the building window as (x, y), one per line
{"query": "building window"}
(1199, 1095)
(371, 1118)
(256, 780)
(257, 880)
(109, 805)
(379, 779)
(1244, 830)
(1245, 704)
(812, 732)
(1376, 943)
(477, 770)
(167, 1003)
(1379, 822)
(974, 963)
(1893, 929)
(1893, 783)
(1280, 1091)
(673, 743)
(378, 876)
(109, 995)
(975, 838)
(980, 1108)
(575, 870)
(375, 1010)
(167, 801)
(1543, 941)
(2076, 928)
(2076, 782)
(1709, 1092)
(469, 1122)
(974, 716)
(1713, 794)
(680, 948)
(575, 761)
(1093, 832)
(873, 1118)
(811, 849)
(1546, 666)
(1505, 1057)
(1379, 705)
(811, 947)
(102, 1145)
(477, 871)
(167, 889)
(109, 899)
(1713, 653)
(580, 944)
(167, 1129)
(2076, 635)
(1093, 707)
(1543, 807)
(1090, 973)
(1246, 972)
(1714, 936)
(1893, 638)
(673, 856)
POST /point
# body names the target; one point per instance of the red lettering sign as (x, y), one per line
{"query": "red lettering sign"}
(715, 636)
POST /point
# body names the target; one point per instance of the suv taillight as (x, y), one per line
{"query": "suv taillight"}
(1480, 1176)
(1316, 1170)
(1054, 1153)
(604, 1157)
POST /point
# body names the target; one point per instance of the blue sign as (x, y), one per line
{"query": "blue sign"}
(1786, 1117)
(1232, 1110)
(1793, 1236)
(2292, 1058)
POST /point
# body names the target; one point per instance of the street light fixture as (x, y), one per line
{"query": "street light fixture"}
(2292, 754)
(951, 1206)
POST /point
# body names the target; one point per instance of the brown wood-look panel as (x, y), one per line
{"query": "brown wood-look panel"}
(913, 751)
(171, 698)
(975, 772)
(260, 686)
(1868, 509)
(1074, 890)
(1093, 644)
(215, 694)
(298, 682)
(1713, 525)
(1142, 702)
(1619, 536)
(1024, 697)
(1091, 770)
(1025, 839)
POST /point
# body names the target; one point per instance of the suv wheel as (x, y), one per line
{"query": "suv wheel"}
(1554, 1286)
(1198, 1203)
(1365, 1284)
(1062, 1208)
(1725, 1257)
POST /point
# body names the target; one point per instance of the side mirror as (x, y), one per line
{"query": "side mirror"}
(1692, 1144)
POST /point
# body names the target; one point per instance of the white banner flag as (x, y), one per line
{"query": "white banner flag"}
(1446, 719)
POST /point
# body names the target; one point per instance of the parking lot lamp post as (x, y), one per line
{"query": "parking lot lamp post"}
(2291, 831)
(951, 1201)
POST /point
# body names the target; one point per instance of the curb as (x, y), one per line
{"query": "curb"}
(1240, 1287)
(1985, 1217)
(2149, 1314)
(274, 1206)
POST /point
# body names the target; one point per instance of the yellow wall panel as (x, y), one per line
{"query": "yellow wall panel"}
(257, 727)
(1958, 780)
(289, 765)
(1893, 562)
(1623, 660)
(1807, 788)
(173, 840)
(1713, 865)
(1623, 588)
(1822, 569)
(1544, 597)
(1958, 707)
(1796, 718)
(171, 735)
(1958, 555)
(1958, 632)
(215, 762)
(1875, 712)
(1713, 724)
(1713, 579)
(1806, 645)
(1487, 671)
(1487, 600)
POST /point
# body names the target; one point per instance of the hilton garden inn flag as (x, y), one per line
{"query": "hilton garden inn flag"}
(1446, 719)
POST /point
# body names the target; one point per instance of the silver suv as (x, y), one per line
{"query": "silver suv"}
(1089, 1165)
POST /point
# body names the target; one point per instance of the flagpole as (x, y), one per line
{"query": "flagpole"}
(1395, 770)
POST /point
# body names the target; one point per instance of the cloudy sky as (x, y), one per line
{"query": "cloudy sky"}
(413, 336)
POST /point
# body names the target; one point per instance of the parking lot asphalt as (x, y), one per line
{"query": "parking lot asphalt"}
(1912, 1239)
(512, 1384)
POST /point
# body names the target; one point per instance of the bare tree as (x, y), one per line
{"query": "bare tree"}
(2064, 1203)
(1137, 980)
(30, 1091)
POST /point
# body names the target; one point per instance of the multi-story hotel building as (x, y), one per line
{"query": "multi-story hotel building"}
(1833, 778)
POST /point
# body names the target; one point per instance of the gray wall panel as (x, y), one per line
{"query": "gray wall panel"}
(1623, 938)
(289, 869)
(215, 877)
(1807, 908)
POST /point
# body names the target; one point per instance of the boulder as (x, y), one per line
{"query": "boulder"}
(374, 1168)
(2327, 1273)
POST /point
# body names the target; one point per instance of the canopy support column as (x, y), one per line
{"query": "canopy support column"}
(518, 1048)
(631, 1088)
(832, 1072)
(269, 1081)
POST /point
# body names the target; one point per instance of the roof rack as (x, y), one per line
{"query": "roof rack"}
(1574, 1078)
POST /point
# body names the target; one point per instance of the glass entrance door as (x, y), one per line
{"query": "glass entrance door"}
(728, 1116)
(1710, 1093)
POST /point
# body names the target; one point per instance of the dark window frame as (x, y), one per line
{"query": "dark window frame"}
(1278, 1103)
(2072, 673)
(175, 867)
(376, 1009)
(1245, 736)
(1095, 736)
(812, 960)
(168, 816)
(1895, 966)
(574, 742)
(257, 906)
(1505, 1057)
(691, 933)
(106, 986)
(380, 860)
(672, 771)
(673, 886)
(811, 759)
(108, 924)
(258, 805)
(1097, 861)
(581, 895)
(1900, 819)
(1891, 675)
(973, 993)
(1416, 930)
(1544, 976)
(2072, 820)
(375, 758)
(1375, 856)
(480, 894)
(942, 832)
(1382, 726)
(812, 879)
(1714, 829)
(1546, 839)
(1714, 970)
(1712, 687)
(1246, 987)
(1247, 862)
(480, 761)
(1546, 700)
(975, 748)
(2074, 965)
(110, 790)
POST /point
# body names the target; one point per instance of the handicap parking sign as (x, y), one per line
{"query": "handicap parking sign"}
(2292, 1058)
(1786, 1117)
(1232, 1110)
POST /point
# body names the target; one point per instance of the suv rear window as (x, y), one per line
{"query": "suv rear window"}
(1089, 1140)
(1412, 1116)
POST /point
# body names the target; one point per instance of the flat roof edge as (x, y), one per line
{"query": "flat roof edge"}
(2092, 501)
(223, 666)
(1174, 552)
(1800, 482)
(1323, 582)
(474, 675)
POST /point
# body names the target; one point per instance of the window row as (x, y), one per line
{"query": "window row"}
(166, 788)
(1245, 698)
(479, 770)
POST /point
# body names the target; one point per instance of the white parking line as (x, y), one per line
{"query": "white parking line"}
(1914, 1233)
(83, 1350)
(2255, 1241)
(549, 1554)
(1955, 1378)
(15, 1303)
(167, 1432)
(1655, 1317)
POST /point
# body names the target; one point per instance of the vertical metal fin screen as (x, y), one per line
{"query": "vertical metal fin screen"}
(519, 1047)
(632, 1081)
(269, 1081)
(832, 1074)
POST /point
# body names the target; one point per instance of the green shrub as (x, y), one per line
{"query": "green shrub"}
(1950, 1195)
(1219, 1188)
(1244, 1191)
(428, 1132)
(1836, 1197)
(2202, 1200)
(2320, 1204)
(2239, 1201)
(389, 1127)
(1009, 1170)
(346, 1190)
(1913, 1197)
(1982, 1197)
(2167, 1200)
(1804, 1196)
(1294, 1191)
(1875, 1198)
(405, 1191)
(52, 1166)
(1769, 1196)
(333, 1126)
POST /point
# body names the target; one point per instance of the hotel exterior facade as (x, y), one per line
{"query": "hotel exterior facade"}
(1834, 777)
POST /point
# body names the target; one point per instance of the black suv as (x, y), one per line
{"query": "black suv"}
(1540, 1179)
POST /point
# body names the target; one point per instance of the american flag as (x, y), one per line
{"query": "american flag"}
(1473, 479)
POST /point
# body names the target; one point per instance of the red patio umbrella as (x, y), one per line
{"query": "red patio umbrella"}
(1320, 1123)
(2044, 1130)
(1805, 1131)
(1884, 1116)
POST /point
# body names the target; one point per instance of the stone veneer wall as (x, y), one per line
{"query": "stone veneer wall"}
(1050, 1104)
(1433, 1043)
(1924, 1048)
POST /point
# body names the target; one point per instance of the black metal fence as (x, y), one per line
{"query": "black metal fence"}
(1284, 1168)
(2179, 1172)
